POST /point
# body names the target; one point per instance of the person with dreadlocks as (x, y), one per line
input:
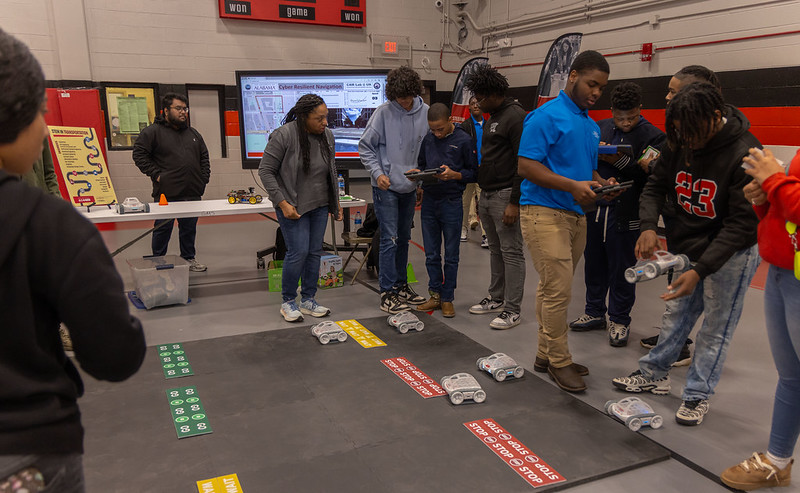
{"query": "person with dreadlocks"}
(681, 79)
(613, 225)
(389, 148)
(54, 267)
(299, 173)
(498, 206)
(715, 226)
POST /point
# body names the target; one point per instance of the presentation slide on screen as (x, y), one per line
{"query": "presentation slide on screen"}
(351, 100)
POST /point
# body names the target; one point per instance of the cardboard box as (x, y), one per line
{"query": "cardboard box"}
(161, 281)
(331, 274)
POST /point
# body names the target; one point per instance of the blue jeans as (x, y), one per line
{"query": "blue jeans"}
(782, 311)
(303, 249)
(719, 299)
(61, 472)
(441, 217)
(395, 213)
(187, 232)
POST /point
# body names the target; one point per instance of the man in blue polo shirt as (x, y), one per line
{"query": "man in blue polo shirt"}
(558, 161)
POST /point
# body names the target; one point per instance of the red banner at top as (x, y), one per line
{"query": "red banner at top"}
(342, 13)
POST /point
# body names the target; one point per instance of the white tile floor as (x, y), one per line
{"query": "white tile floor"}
(232, 298)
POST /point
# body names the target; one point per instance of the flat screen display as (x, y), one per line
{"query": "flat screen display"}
(266, 96)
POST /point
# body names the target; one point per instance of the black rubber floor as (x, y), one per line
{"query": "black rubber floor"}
(291, 415)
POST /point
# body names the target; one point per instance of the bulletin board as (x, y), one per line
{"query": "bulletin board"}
(129, 109)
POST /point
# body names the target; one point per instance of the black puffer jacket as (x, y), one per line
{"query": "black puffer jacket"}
(178, 156)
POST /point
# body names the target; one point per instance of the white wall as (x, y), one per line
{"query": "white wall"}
(185, 41)
(663, 23)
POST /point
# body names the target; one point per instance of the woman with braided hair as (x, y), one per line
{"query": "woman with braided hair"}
(299, 174)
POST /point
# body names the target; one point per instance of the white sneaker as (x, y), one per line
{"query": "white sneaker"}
(311, 307)
(691, 413)
(290, 312)
(196, 266)
(505, 320)
(484, 242)
(636, 382)
(464, 234)
(487, 305)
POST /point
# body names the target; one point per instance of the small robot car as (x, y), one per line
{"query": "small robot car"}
(645, 270)
(328, 331)
(132, 204)
(248, 196)
(463, 386)
(500, 366)
(634, 412)
(405, 321)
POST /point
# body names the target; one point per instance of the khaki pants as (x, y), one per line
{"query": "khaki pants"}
(556, 239)
(470, 203)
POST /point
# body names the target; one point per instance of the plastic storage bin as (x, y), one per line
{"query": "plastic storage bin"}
(161, 281)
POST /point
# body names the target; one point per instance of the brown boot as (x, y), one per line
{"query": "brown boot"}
(433, 303)
(448, 310)
(567, 378)
(540, 365)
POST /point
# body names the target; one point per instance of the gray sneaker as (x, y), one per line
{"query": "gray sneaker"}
(290, 312)
(505, 320)
(618, 334)
(636, 382)
(691, 413)
(311, 307)
(196, 266)
(487, 305)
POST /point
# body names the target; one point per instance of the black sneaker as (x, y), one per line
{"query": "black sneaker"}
(391, 303)
(405, 293)
(685, 357)
(649, 342)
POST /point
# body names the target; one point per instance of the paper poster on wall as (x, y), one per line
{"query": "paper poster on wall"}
(83, 166)
(129, 111)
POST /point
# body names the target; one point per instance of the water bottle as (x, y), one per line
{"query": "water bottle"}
(341, 186)
(357, 221)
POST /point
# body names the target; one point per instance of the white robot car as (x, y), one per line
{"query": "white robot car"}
(635, 413)
(328, 331)
(500, 366)
(462, 386)
(405, 321)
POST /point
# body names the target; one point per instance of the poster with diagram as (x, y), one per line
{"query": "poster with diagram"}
(82, 166)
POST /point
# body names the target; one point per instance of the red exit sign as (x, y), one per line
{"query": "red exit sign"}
(390, 47)
(343, 13)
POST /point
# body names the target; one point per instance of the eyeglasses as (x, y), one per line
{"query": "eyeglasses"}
(180, 109)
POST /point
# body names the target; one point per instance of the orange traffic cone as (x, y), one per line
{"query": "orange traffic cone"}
(163, 200)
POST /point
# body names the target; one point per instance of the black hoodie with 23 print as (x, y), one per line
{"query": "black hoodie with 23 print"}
(712, 219)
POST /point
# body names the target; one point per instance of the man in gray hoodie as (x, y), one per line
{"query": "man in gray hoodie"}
(388, 148)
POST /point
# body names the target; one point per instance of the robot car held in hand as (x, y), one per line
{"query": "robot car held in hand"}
(646, 270)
